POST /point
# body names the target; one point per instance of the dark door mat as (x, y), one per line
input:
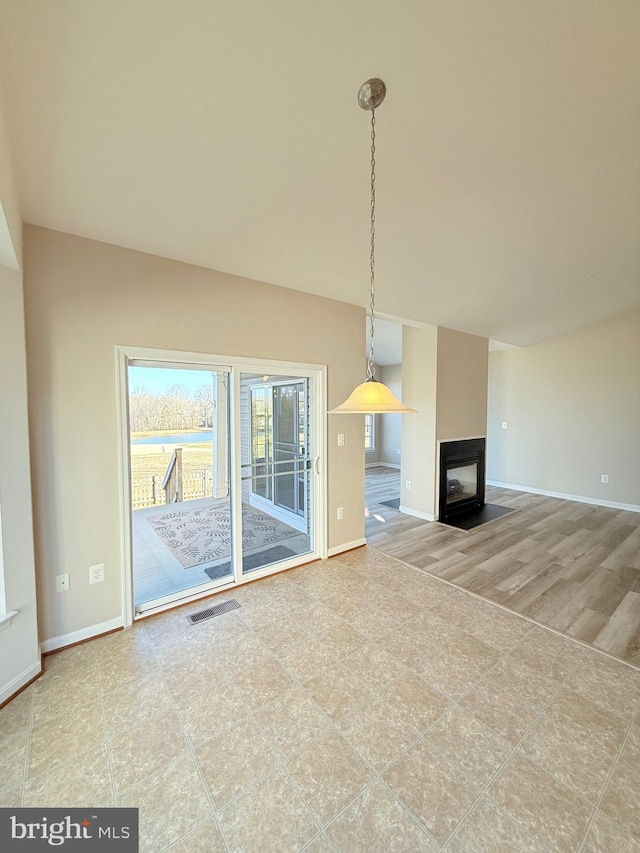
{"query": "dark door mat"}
(394, 504)
(252, 561)
(476, 517)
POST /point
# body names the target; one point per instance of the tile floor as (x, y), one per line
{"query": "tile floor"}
(356, 704)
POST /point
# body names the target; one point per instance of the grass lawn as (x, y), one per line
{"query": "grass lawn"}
(168, 432)
(195, 458)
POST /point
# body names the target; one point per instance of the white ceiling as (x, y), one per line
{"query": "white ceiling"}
(388, 342)
(227, 134)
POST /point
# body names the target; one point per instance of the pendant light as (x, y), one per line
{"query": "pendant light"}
(372, 397)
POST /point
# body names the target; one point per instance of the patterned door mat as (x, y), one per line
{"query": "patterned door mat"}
(203, 534)
(252, 561)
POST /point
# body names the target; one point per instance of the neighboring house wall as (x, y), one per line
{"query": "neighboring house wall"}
(572, 406)
(82, 299)
(390, 426)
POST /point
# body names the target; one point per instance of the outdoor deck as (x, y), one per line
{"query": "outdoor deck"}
(158, 572)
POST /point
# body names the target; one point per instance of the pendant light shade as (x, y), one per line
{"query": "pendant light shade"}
(372, 397)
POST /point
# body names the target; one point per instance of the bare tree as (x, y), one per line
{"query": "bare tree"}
(176, 409)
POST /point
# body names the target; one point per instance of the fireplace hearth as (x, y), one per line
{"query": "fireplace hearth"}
(462, 478)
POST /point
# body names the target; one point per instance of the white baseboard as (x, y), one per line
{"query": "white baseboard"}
(347, 546)
(83, 634)
(19, 681)
(565, 497)
(425, 516)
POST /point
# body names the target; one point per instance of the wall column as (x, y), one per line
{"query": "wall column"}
(19, 649)
(419, 360)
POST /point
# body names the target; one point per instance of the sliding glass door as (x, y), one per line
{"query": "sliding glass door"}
(290, 429)
(277, 460)
(181, 501)
(222, 473)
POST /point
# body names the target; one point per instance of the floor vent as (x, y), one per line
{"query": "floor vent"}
(225, 607)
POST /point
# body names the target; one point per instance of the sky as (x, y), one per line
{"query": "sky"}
(158, 380)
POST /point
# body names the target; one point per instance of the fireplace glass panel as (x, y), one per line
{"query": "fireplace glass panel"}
(462, 483)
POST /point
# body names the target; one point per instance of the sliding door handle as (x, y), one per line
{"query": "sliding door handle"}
(317, 465)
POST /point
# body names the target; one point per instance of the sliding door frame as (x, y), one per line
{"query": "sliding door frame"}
(316, 374)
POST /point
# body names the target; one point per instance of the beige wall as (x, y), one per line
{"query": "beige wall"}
(572, 406)
(19, 650)
(461, 385)
(391, 425)
(82, 299)
(419, 356)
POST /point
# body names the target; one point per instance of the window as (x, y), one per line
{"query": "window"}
(369, 432)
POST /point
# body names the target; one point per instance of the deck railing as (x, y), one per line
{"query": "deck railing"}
(172, 483)
(148, 491)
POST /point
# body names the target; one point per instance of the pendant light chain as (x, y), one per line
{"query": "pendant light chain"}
(371, 369)
(372, 397)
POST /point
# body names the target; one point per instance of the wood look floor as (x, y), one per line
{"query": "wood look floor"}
(571, 566)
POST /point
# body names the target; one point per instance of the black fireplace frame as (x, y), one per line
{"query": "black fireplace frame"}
(454, 454)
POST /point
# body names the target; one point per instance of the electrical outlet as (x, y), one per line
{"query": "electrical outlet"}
(340, 439)
(62, 583)
(504, 424)
(604, 478)
(398, 451)
(96, 573)
(407, 485)
(340, 513)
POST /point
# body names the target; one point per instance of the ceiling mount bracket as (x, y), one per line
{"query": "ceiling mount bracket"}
(371, 94)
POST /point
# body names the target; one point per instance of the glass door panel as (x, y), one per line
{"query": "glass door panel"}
(289, 437)
(261, 443)
(276, 469)
(180, 480)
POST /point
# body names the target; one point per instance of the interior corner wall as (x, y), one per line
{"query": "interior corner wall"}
(572, 406)
(390, 431)
(372, 457)
(19, 648)
(461, 388)
(418, 465)
(10, 218)
(83, 298)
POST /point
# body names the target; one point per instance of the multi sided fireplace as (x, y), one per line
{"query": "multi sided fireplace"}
(462, 471)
